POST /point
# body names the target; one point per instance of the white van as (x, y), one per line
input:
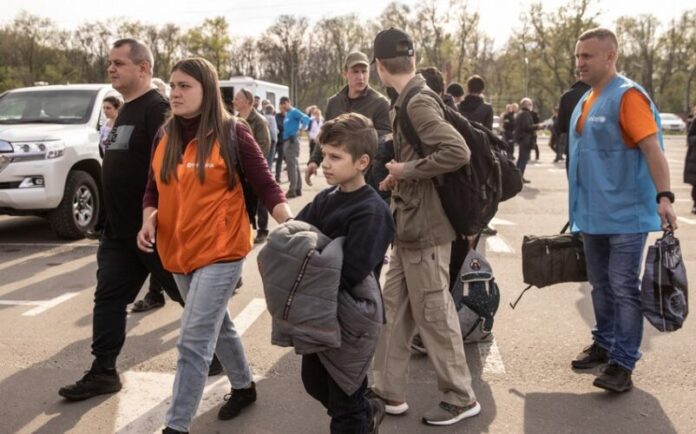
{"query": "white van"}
(263, 89)
(49, 154)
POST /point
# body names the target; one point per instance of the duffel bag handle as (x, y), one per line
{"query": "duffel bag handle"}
(513, 305)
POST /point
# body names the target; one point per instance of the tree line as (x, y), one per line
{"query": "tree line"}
(537, 60)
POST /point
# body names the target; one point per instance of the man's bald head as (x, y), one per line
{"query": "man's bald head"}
(602, 34)
(596, 53)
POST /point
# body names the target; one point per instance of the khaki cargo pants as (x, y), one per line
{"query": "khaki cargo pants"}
(416, 294)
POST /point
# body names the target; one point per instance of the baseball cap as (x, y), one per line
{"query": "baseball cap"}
(356, 58)
(392, 43)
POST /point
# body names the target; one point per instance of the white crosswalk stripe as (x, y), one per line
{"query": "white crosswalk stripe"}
(491, 360)
(146, 396)
(48, 273)
(497, 244)
(45, 254)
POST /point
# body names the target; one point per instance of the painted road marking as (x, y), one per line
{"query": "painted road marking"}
(41, 305)
(242, 321)
(249, 315)
(75, 244)
(497, 244)
(500, 222)
(48, 273)
(146, 396)
(491, 360)
(45, 254)
(686, 220)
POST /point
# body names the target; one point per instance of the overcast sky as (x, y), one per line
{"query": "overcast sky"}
(252, 17)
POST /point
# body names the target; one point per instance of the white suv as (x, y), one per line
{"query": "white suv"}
(49, 155)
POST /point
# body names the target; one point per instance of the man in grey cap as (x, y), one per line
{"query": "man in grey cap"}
(357, 96)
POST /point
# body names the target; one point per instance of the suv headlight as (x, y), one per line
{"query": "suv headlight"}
(39, 150)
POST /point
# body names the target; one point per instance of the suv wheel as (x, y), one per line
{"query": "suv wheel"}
(79, 209)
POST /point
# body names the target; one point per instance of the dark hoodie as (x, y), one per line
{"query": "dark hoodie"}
(475, 109)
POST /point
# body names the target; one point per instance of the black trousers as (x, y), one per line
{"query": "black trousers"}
(350, 414)
(121, 271)
(280, 157)
(460, 248)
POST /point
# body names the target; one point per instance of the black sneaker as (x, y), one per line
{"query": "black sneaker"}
(377, 411)
(215, 367)
(93, 234)
(615, 378)
(591, 357)
(260, 237)
(168, 430)
(487, 230)
(693, 210)
(152, 300)
(92, 384)
(236, 401)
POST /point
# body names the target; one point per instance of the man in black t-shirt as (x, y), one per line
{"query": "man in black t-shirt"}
(122, 267)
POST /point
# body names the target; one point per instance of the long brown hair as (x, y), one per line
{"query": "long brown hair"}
(214, 118)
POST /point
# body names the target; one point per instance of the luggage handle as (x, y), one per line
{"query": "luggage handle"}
(513, 305)
(519, 297)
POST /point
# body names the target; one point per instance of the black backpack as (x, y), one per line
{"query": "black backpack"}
(471, 194)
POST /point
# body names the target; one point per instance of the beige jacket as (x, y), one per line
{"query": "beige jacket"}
(420, 219)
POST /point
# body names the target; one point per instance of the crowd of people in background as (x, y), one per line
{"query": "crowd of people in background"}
(178, 171)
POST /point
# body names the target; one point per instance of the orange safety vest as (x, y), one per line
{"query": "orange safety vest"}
(199, 224)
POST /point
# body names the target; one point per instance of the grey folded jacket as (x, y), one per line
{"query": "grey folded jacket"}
(301, 270)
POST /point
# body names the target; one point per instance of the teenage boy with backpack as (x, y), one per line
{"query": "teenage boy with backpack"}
(416, 292)
(347, 209)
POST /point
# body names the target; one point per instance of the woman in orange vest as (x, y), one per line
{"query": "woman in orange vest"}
(194, 208)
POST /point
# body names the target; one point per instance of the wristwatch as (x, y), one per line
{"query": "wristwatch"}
(668, 194)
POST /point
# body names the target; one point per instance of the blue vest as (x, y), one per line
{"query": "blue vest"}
(611, 190)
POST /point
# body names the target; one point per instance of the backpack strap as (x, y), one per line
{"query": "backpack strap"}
(233, 146)
(405, 123)
(407, 126)
(250, 199)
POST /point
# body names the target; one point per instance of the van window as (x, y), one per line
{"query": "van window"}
(270, 96)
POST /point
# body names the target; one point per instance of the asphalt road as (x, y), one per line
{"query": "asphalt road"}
(523, 381)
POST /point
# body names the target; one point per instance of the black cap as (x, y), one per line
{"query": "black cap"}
(392, 43)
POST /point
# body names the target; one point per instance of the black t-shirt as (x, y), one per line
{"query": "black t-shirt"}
(363, 218)
(127, 160)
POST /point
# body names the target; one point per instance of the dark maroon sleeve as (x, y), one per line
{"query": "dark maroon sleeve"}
(151, 195)
(256, 169)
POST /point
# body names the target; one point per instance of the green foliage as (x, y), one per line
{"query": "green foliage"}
(537, 60)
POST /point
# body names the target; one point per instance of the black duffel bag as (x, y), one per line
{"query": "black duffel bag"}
(548, 260)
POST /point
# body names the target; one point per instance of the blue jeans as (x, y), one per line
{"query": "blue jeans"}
(613, 269)
(204, 322)
(523, 157)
